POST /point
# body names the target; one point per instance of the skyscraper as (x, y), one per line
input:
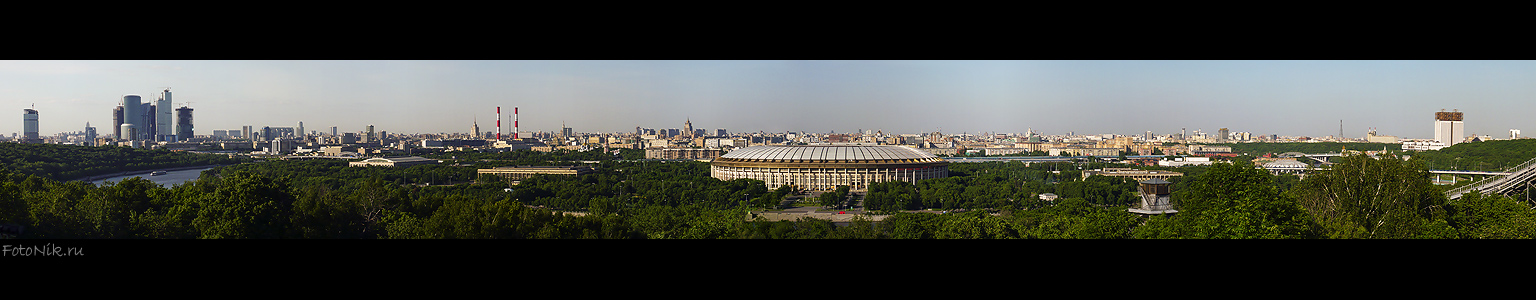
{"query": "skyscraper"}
(299, 132)
(1221, 135)
(162, 117)
(369, 138)
(117, 122)
(688, 127)
(147, 130)
(183, 123)
(245, 132)
(133, 116)
(29, 125)
(333, 130)
(1448, 127)
(90, 134)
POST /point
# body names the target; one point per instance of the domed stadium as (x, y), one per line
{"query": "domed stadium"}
(826, 167)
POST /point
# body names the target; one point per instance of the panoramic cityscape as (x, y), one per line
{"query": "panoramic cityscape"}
(781, 149)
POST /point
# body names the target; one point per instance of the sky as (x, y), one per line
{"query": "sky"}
(1287, 98)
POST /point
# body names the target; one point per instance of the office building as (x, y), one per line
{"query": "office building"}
(162, 116)
(90, 134)
(720, 132)
(117, 121)
(133, 117)
(147, 129)
(183, 123)
(29, 125)
(1448, 127)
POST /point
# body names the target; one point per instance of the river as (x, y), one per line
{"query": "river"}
(171, 178)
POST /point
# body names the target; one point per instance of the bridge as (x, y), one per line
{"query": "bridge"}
(1458, 172)
(1519, 176)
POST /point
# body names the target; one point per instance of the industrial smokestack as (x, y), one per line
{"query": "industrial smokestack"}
(498, 123)
(514, 123)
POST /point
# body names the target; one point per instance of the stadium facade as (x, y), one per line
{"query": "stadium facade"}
(826, 167)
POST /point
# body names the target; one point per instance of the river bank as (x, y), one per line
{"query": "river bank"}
(121, 174)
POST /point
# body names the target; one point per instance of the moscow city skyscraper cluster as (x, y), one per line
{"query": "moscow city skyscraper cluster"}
(134, 119)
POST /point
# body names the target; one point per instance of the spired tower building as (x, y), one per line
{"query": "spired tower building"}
(688, 128)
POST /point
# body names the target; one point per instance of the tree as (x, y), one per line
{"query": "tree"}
(1478, 216)
(1231, 201)
(1364, 197)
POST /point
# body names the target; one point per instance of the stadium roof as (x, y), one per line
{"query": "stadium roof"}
(879, 154)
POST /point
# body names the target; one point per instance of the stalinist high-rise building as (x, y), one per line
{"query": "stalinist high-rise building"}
(688, 128)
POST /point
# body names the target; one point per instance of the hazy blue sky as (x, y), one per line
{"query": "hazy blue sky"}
(1054, 97)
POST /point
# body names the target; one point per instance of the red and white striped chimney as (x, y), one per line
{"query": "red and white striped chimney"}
(514, 123)
(498, 123)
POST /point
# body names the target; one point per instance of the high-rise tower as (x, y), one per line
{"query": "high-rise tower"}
(90, 134)
(1448, 127)
(688, 127)
(29, 125)
(184, 123)
(117, 122)
(133, 117)
(162, 117)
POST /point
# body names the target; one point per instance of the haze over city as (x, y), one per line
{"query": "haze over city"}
(1053, 97)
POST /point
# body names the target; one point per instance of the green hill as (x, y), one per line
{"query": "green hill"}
(1479, 156)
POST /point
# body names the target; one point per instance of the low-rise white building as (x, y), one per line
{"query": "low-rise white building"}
(1422, 145)
(1185, 161)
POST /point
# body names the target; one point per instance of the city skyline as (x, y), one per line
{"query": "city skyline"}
(1286, 98)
